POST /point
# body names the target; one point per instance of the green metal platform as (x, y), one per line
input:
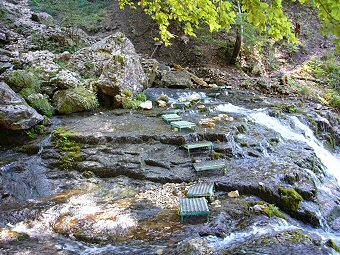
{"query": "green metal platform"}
(181, 105)
(183, 124)
(193, 207)
(210, 165)
(171, 117)
(201, 190)
(214, 94)
(190, 146)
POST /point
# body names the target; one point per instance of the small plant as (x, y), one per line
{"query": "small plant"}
(34, 132)
(271, 210)
(42, 105)
(216, 155)
(131, 104)
(128, 93)
(141, 97)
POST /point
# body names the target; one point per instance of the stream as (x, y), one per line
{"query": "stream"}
(131, 206)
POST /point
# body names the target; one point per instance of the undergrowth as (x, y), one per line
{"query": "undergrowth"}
(80, 13)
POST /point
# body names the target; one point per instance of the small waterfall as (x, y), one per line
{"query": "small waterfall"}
(255, 230)
(300, 132)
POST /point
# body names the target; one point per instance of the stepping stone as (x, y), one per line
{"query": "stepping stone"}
(202, 190)
(193, 207)
(183, 124)
(171, 117)
(213, 94)
(190, 146)
(210, 165)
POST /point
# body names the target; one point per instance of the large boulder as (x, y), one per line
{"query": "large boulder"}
(74, 100)
(42, 63)
(114, 61)
(15, 114)
(175, 79)
(66, 79)
(43, 18)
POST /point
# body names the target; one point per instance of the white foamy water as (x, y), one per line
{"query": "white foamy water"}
(238, 237)
(300, 132)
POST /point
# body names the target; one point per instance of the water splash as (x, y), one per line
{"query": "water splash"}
(255, 230)
(300, 132)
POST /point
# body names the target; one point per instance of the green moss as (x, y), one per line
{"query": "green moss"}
(241, 129)
(290, 198)
(79, 99)
(88, 174)
(271, 210)
(131, 104)
(216, 155)
(42, 105)
(63, 141)
(128, 93)
(21, 79)
(120, 59)
(141, 97)
(331, 243)
(89, 65)
(268, 209)
(297, 236)
(34, 132)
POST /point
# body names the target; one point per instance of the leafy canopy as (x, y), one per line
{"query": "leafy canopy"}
(268, 15)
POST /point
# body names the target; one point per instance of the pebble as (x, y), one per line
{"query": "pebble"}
(233, 193)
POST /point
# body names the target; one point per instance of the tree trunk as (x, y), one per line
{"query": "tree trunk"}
(237, 48)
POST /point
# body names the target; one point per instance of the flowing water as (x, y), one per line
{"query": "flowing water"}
(104, 209)
(293, 129)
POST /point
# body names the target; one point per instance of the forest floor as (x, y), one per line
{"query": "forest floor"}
(310, 69)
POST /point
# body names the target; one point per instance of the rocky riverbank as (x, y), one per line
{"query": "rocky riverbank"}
(86, 176)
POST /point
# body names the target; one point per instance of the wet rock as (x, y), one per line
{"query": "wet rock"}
(74, 100)
(287, 242)
(15, 114)
(195, 246)
(114, 61)
(154, 162)
(150, 67)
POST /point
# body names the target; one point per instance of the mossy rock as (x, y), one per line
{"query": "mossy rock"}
(75, 100)
(41, 104)
(290, 199)
(21, 79)
(331, 243)
(127, 93)
(131, 104)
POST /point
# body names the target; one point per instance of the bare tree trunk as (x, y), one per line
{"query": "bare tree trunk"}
(239, 39)
(237, 48)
